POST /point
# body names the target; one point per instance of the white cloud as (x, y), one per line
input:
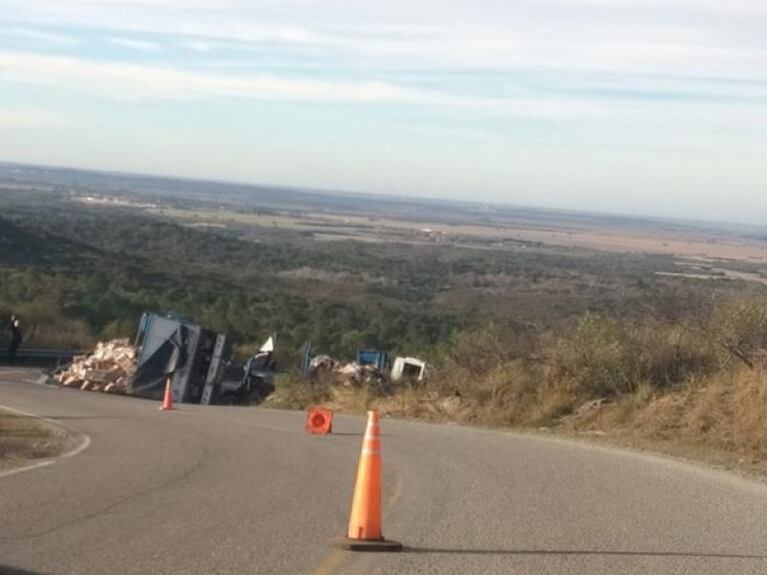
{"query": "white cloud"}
(38, 37)
(672, 37)
(29, 118)
(723, 7)
(133, 44)
(132, 82)
(200, 46)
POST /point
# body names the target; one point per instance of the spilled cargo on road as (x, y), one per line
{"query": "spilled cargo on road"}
(197, 361)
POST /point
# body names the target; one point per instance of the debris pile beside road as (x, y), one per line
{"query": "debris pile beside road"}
(349, 374)
(362, 375)
(107, 369)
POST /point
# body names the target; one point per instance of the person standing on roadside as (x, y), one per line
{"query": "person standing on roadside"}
(16, 339)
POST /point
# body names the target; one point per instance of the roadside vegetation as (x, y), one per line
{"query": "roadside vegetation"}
(76, 274)
(696, 386)
(517, 336)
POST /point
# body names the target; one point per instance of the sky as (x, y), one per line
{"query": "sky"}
(644, 107)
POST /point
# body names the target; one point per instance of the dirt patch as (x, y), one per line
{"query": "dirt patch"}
(25, 439)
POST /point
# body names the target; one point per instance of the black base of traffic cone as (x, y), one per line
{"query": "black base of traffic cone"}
(369, 545)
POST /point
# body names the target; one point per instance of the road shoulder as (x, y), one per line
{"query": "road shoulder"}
(28, 441)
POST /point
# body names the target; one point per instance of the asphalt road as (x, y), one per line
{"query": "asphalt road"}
(242, 490)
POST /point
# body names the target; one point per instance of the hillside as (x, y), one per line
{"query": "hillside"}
(530, 335)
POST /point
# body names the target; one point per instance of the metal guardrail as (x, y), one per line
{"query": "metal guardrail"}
(37, 357)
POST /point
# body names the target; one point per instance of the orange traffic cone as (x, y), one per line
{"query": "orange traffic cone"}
(364, 532)
(319, 421)
(167, 400)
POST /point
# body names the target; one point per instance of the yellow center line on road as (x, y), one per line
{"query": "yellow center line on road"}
(337, 557)
(332, 562)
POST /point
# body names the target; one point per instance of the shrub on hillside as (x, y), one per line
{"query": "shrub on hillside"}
(598, 357)
(605, 357)
(739, 326)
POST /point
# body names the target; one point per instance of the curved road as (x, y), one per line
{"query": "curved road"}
(242, 490)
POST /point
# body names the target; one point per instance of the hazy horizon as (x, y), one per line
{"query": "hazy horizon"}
(394, 197)
(638, 108)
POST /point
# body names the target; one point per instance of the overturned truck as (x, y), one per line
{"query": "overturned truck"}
(199, 364)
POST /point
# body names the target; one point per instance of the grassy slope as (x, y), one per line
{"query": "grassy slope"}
(719, 422)
(656, 353)
(24, 439)
(693, 390)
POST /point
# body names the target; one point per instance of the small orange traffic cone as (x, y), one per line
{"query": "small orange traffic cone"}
(319, 421)
(364, 533)
(167, 400)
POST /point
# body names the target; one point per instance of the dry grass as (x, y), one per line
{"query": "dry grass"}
(725, 411)
(665, 387)
(25, 438)
(718, 420)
